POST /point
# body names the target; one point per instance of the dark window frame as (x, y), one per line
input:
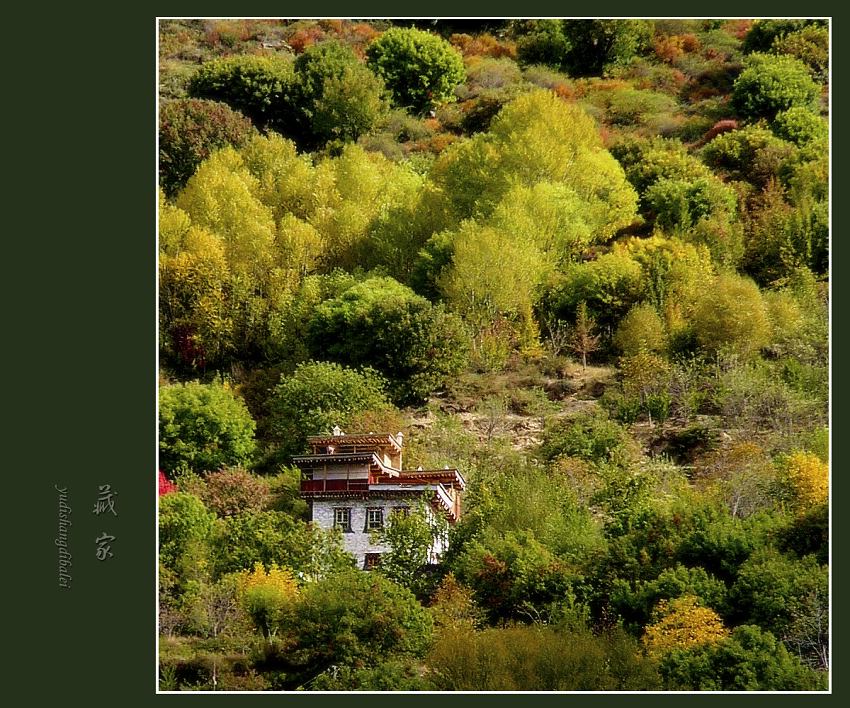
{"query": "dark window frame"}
(346, 524)
(372, 561)
(374, 526)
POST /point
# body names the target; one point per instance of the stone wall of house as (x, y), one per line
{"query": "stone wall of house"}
(358, 541)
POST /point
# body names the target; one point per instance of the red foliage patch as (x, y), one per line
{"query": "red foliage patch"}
(166, 486)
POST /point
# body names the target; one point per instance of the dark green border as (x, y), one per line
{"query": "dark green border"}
(81, 319)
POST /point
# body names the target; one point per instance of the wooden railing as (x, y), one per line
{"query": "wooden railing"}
(334, 485)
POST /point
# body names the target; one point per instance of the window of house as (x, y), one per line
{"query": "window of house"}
(403, 510)
(342, 519)
(373, 560)
(374, 519)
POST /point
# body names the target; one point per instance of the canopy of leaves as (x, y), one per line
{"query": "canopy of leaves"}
(318, 396)
(253, 85)
(353, 620)
(333, 96)
(203, 427)
(183, 521)
(191, 129)
(748, 660)
(537, 138)
(419, 68)
(383, 324)
(773, 83)
(732, 314)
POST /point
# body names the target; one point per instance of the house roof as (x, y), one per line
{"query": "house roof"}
(358, 439)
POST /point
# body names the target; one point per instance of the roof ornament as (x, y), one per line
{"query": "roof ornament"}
(336, 431)
(419, 469)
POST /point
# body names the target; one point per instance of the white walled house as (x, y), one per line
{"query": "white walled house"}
(355, 482)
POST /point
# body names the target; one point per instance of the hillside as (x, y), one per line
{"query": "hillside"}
(584, 262)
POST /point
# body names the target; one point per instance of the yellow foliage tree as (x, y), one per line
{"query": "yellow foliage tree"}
(266, 594)
(683, 623)
(808, 477)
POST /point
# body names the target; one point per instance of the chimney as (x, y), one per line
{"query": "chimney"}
(400, 437)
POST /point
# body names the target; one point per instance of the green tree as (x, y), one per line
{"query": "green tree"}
(764, 33)
(537, 138)
(318, 396)
(748, 660)
(802, 127)
(770, 84)
(419, 68)
(409, 537)
(189, 131)
(731, 313)
(203, 427)
(771, 590)
(641, 330)
(354, 620)
(253, 85)
(221, 197)
(184, 521)
(678, 205)
(333, 96)
(541, 42)
(752, 153)
(492, 273)
(241, 541)
(383, 324)
(810, 45)
(598, 46)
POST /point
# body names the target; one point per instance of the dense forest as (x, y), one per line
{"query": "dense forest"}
(583, 261)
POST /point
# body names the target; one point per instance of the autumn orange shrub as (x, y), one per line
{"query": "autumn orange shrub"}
(738, 28)
(668, 48)
(564, 91)
(483, 45)
(690, 43)
(305, 37)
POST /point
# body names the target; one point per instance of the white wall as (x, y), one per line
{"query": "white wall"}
(358, 542)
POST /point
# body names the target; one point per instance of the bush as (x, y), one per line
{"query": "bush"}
(752, 153)
(384, 324)
(355, 620)
(189, 130)
(640, 330)
(183, 521)
(764, 33)
(333, 96)
(203, 427)
(541, 42)
(419, 68)
(802, 127)
(810, 45)
(539, 658)
(588, 437)
(597, 46)
(253, 85)
(748, 660)
(232, 491)
(770, 84)
(730, 313)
